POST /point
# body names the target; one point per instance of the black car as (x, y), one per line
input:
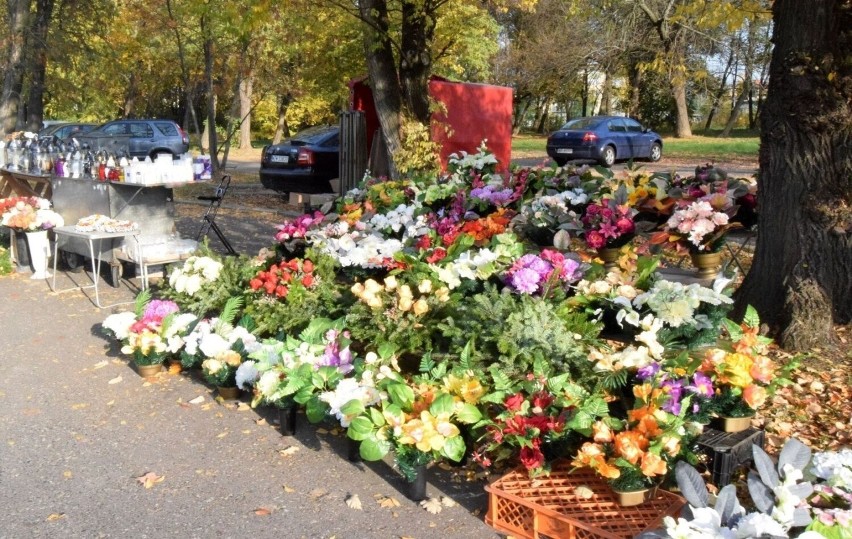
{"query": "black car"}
(604, 139)
(139, 138)
(304, 163)
(65, 131)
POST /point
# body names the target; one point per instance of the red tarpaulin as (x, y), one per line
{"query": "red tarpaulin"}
(474, 112)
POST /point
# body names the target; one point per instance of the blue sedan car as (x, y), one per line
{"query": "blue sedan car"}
(604, 139)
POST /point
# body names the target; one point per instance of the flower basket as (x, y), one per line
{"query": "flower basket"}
(228, 393)
(707, 264)
(148, 371)
(609, 255)
(733, 424)
(553, 506)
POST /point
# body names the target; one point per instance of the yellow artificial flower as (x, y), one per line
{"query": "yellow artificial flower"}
(443, 294)
(737, 369)
(420, 307)
(425, 286)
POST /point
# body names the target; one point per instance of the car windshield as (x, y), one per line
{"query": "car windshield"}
(581, 123)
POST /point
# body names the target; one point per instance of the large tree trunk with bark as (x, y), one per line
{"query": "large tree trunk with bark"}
(246, 89)
(415, 63)
(282, 130)
(801, 278)
(384, 82)
(210, 128)
(38, 64)
(682, 128)
(17, 12)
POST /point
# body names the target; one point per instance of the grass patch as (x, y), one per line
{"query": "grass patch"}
(743, 145)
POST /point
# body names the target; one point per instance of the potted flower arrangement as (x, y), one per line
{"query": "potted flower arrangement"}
(699, 228)
(32, 216)
(418, 419)
(634, 454)
(292, 233)
(608, 225)
(299, 370)
(742, 374)
(150, 334)
(536, 420)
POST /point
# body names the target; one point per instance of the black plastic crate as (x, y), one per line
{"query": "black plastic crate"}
(727, 451)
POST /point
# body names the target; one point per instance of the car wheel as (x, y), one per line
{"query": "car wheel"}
(560, 161)
(656, 152)
(608, 156)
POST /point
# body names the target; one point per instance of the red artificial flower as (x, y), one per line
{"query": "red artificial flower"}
(269, 287)
(281, 291)
(532, 457)
(307, 266)
(514, 402)
(308, 280)
(437, 255)
(424, 242)
(255, 284)
(542, 400)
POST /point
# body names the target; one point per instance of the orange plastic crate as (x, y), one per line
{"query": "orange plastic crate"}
(549, 507)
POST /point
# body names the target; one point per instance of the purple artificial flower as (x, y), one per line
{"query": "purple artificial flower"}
(158, 309)
(648, 371)
(701, 385)
(674, 388)
(525, 280)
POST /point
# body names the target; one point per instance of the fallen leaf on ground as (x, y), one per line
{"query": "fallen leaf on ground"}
(317, 493)
(197, 400)
(110, 403)
(174, 368)
(55, 516)
(101, 364)
(150, 479)
(322, 431)
(433, 505)
(243, 407)
(387, 501)
(222, 434)
(115, 380)
(354, 502)
(289, 490)
(289, 451)
(262, 511)
(260, 421)
(79, 406)
(446, 501)
(67, 474)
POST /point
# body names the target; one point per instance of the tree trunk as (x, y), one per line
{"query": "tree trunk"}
(723, 84)
(212, 139)
(738, 106)
(17, 12)
(634, 74)
(584, 92)
(542, 121)
(189, 88)
(520, 113)
(131, 94)
(37, 64)
(682, 128)
(246, 86)
(801, 278)
(415, 62)
(282, 130)
(383, 76)
(607, 93)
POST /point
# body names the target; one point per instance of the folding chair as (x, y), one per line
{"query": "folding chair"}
(209, 220)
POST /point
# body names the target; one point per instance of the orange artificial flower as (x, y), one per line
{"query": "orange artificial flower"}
(602, 432)
(755, 396)
(630, 445)
(762, 369)
(649, 427)
(652, 465)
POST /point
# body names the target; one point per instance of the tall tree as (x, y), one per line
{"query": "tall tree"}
(801, 279)
(17, 13)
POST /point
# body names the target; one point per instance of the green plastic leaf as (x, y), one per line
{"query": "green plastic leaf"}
(794, 453)
(444, 404)
(353, 408)
(316, 410)
(454, 448)
(373, 449)
(691, 485)
(468, 413)
(765, 467)
(141, 302)
(361, 428)
(751, 318)
(376, 417)
(401, 394)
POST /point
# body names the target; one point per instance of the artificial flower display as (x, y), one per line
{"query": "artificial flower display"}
(28, 214)
(196, 272)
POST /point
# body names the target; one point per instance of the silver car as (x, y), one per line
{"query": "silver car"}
(138, 138)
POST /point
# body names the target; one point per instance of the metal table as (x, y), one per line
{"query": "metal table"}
(65, 233)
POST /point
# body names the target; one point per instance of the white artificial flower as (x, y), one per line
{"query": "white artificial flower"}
(247, 374)
(213, 344)
(120, 324)
(759, 525)
(268, 382)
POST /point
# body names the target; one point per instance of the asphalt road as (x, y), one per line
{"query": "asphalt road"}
(78, 426)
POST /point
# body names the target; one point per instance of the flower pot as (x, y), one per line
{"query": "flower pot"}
(353, 450)
(634, 497)
(734, 424)
(228, 393)
(609, 255)
(39, 246)
(417, 488)
(22, 253)
(148, 371)
(707, 264)
(287, 420)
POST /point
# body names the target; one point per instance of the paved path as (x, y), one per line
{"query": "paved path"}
(78, 425)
